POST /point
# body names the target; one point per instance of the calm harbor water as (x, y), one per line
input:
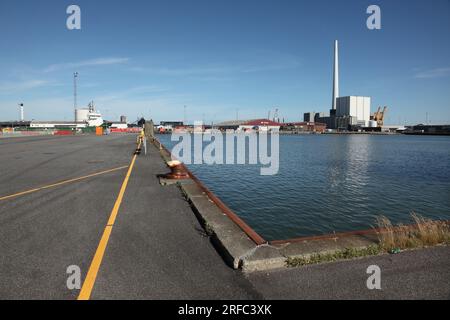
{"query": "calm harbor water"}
(336, 183)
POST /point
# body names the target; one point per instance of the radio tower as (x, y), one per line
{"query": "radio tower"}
(75, 76)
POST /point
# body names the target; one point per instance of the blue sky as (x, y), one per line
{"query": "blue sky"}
(150, 58)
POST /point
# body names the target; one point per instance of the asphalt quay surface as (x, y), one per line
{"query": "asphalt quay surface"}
(409, 275)
(44, 232)
(157, 248)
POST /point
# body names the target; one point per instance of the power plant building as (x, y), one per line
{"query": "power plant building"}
(354, 106)
(345, 112)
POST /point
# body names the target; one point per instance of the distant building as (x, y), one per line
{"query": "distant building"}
(123, 119)
(260, 125)
(354, 107)
(58, 124)
(117, 125)
(350, 112)
(230, 125)
(308, 116)
(169, 126)
(314, 127)
(247, 125)
(14, 124)
(428, 129)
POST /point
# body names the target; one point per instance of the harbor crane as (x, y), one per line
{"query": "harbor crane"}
(276, 118)
(379, 116)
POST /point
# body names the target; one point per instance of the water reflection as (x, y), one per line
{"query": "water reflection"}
(336, 183)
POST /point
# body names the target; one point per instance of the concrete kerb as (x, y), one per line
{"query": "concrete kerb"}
(275, 256)
(240, 251)
(231, 242)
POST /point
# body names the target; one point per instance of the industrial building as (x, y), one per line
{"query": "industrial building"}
(247, 125)
(351, 111)
(422, 129)
(355, 107)
(169, 126)
(14, 124)
(56, 124)
(303, 127)
(347, 112)
(260, 125)
(230, 125)
(309, 117)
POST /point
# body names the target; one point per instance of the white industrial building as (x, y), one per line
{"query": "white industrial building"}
(356, 107)
(84, 117)
(259, 125)
(56, 124)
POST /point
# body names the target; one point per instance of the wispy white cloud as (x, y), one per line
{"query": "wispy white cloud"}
(190, 71)
(433, 73)
(86, 63)
(271, 67)
(13, 87)
(130, 92)
(217, 70)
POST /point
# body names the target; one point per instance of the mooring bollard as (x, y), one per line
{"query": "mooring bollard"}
(177, 170)
(144, 142)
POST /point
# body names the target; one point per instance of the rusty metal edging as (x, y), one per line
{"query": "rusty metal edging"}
(252, 234)
(328, 236)
(346, 234)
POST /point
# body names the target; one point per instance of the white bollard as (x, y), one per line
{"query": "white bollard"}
(145, 145)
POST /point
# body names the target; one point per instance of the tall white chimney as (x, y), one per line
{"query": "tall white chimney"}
(335, 74)
(21, 113)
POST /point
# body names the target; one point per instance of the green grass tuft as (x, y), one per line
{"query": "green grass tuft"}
(347, 253)
(392, 239)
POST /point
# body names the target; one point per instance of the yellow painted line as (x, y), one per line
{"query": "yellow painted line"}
(91, 276)
(60, 183)
(115, 210)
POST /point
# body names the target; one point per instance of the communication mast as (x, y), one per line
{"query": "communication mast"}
(75, 76)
